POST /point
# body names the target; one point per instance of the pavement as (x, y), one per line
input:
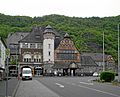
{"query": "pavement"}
(13, 84)
(34, 88)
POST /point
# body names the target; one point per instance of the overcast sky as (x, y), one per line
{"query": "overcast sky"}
(77, 8)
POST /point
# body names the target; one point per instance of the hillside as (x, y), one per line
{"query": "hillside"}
(85, 32)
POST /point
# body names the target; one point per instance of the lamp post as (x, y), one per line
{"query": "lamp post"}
(16, 60)
(7, 62)
(103, 54)
(118, 55)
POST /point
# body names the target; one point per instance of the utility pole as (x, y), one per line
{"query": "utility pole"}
(16, 60)
(118, 54)
(103, 54)
(7, 62)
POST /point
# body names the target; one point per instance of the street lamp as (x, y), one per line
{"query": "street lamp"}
(103, 54)
(118, 55)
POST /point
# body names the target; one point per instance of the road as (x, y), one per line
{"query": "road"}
(66, 87)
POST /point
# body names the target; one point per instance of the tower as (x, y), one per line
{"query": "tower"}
(48, 45)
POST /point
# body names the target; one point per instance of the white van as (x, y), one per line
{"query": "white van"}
(26, 73)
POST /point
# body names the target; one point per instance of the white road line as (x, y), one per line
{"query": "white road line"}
(86, 83)
(100, 91)
(59, 85)
(90, 80)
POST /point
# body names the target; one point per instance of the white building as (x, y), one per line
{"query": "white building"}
(2, 57)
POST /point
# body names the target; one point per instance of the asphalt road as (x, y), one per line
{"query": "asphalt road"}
(66, 87)
(79, 87)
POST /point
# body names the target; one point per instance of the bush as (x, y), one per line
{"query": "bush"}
(107, 76)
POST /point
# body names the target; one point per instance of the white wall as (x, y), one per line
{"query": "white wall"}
(46, 50)
(2, 57)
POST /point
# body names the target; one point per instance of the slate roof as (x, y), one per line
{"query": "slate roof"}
(96, 56)
(87, 61)
(61, 65)
(49, 29)
(15, 37)
(35, 36)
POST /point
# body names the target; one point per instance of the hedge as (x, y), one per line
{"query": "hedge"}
(107, 76)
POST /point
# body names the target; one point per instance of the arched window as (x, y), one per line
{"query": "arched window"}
(27, 58)
(37, 58)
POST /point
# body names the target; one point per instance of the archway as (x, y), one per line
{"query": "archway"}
(73, 66)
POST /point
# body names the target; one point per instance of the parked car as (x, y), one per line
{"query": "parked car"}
(95, 74)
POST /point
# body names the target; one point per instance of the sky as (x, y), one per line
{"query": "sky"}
(76, 8)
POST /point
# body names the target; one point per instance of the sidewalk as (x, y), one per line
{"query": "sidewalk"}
(12, 83)
(33, 88)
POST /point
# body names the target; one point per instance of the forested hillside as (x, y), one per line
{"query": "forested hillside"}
(87, 33)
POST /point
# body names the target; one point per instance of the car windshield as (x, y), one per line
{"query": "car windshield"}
(26, 71)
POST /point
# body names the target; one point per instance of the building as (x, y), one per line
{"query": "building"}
(2, 57)
(98, 59)
(13, 45)
(46, 52)
(31, 51)
(66, 57)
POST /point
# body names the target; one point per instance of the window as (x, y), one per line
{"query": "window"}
(25, 45)
(49, 46)
(27, 58)
(39, 45)
(62, 56)
(32, 45)
(37, 58)
(49, 53)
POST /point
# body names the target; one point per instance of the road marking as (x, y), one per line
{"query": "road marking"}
(59, 85)
(86, 83)
(100, 91)
(90, 80)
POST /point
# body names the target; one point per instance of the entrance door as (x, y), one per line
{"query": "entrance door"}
(38, 71)
(65, 72)
(72, 72)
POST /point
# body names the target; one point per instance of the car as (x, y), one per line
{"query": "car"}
(95, 74)
(26, 73)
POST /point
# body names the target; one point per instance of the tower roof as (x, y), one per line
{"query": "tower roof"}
(48, 29)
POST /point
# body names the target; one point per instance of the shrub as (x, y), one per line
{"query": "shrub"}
(107, 76)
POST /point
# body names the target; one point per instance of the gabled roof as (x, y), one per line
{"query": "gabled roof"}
(66, 35)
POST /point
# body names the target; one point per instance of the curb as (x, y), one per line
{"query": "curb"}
(15, 90)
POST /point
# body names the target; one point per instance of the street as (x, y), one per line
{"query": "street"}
(66, 87)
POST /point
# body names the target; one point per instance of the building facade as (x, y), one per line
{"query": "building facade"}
(46, 52)
(3, 48)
